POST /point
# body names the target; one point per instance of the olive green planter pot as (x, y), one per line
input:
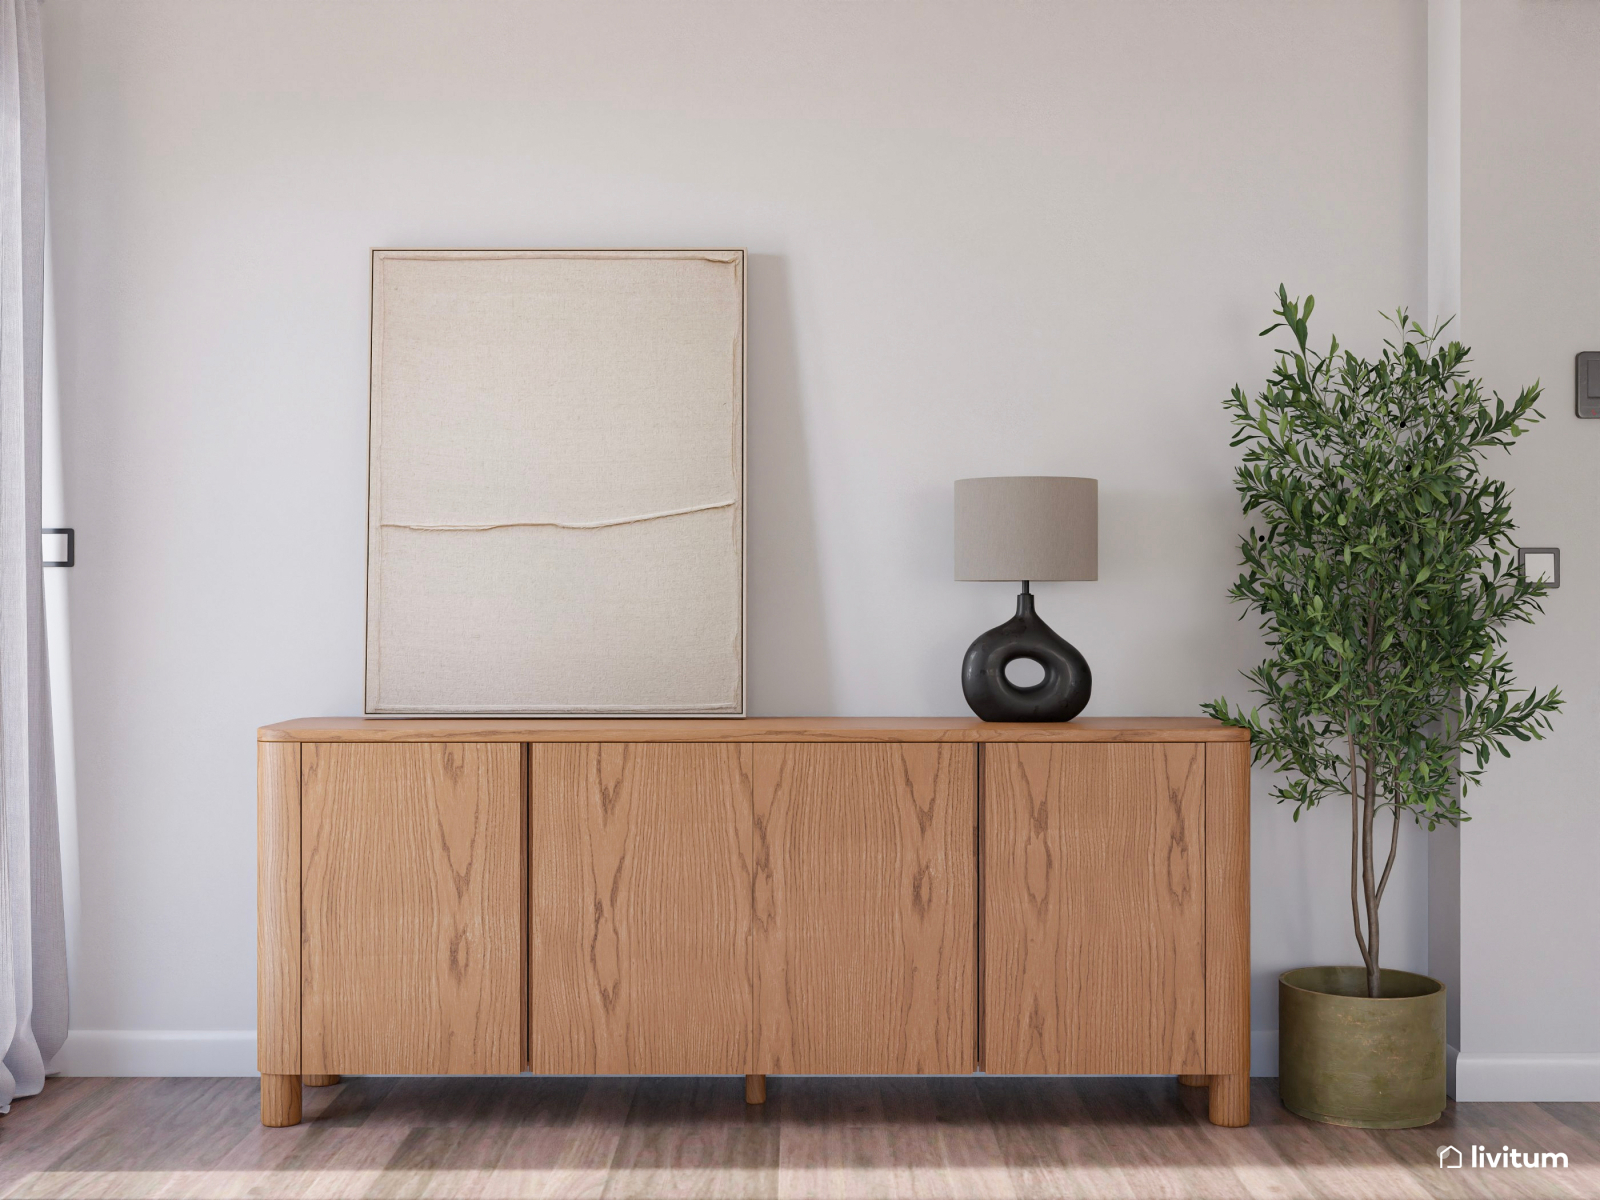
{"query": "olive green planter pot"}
(1348, 1059)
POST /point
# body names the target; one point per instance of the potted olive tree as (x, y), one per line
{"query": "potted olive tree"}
(1385, 574)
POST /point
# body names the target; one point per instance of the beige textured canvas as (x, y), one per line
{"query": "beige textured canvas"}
(556, 515)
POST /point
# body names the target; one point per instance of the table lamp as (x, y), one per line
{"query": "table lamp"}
(1026, 528)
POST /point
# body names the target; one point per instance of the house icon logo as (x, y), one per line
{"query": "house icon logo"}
(1449, 1157)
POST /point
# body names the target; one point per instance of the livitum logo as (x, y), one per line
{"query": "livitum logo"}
(1451, 1159)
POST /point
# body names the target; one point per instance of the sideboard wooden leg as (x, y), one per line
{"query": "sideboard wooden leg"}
(1195, 1080)
(1230, 1099)
(280, 1100)
(755, 1089)
(319, 1080)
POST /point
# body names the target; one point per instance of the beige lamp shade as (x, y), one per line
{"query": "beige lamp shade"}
(1033, 527)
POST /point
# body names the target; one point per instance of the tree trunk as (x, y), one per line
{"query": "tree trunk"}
(1369, 882)
(1355, 849)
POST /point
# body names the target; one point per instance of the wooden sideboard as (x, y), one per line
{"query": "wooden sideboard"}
(754, 897)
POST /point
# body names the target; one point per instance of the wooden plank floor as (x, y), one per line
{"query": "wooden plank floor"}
(868, 1138)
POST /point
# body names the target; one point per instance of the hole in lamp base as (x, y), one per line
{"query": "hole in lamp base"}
(1024, 672)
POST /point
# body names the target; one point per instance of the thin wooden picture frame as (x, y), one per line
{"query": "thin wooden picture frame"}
(712, 667)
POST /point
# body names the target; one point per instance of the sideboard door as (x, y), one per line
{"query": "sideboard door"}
(411, 896)
(1094, 921)
(639, 910)
(865, 908)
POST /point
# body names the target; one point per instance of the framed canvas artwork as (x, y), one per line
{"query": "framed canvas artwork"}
(556, 492)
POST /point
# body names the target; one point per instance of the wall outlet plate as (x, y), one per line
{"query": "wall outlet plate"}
(1589, 383)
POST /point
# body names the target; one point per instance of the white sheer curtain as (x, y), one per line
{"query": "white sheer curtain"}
(33, 965)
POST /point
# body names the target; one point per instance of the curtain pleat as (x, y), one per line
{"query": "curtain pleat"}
(33, 970)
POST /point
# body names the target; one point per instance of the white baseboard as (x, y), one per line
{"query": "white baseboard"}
(1264, 1052)
(205, 1052)
(1523, 1077)
(1535, 1077)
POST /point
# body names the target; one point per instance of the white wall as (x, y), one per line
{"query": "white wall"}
(1444, 304)
(987, 239)
(1530, 277)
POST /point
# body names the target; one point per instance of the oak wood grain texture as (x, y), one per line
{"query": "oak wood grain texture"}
(753, 729)
(639, 909)
(865, 898)
(755, 1089)
(413, 901)
(1229, 1102)
(280, 1100)
(1227, 910)
(1094, 909)
(977, 917)
(278, 908)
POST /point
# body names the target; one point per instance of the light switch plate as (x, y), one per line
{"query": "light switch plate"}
(1589, 383)
(1540, 562)
(59, 547)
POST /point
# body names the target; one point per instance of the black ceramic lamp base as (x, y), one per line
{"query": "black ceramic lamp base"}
(1059, 696)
